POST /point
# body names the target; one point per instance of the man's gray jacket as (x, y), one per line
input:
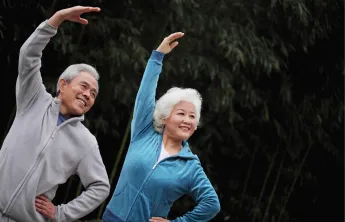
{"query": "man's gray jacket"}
(37, 155)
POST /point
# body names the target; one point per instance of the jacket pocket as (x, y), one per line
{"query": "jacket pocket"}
(122, 201)
(161, 210)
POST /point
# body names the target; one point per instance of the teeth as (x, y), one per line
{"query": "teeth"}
(82, 102)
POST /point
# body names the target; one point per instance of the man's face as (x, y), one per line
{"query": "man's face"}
(78, 95)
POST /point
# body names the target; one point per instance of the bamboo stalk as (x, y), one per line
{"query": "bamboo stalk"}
(248, 174)
(294, 181)
(274, 187)
(117, 162)
(268, 174)
(246, 181)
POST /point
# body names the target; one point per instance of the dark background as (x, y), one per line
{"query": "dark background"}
(271, 74)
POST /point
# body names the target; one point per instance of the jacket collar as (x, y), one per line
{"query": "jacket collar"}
(56, 109)
(186, 152)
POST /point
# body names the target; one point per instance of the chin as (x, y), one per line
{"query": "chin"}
(184, 137)
(78, 112)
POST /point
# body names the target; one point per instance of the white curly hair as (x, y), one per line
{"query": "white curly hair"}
(173, 96)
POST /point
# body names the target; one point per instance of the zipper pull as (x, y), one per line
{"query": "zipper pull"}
(53, 134)
(154, 166)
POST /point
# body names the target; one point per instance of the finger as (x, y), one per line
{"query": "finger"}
(44, 212)
(175, 36)
(84, 9)
(40, 206)
(42, 197)
(40, 201)
(173, 45)
(83, 21)
(94, 9)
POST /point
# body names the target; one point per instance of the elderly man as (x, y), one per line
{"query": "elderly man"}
(47, 142)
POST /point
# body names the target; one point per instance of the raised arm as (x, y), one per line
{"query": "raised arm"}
(145, 100)
(29, 86)
(205, 196)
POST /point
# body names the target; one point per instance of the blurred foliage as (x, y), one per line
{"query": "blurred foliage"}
(271, 74)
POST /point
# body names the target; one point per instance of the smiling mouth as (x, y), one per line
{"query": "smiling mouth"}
(184, 128)
(82, 102)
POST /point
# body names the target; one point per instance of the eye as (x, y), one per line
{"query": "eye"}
(192, 116)
(83, 86)
(180, 114)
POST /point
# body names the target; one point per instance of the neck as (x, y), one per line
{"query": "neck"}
(63, 109)
(171, 145)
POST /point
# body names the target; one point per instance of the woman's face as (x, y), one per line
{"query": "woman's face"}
(181, 123)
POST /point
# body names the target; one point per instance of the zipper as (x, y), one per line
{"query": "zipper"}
(40, 156)
(146, 179)
(170, 157)
(142, 184)
(154, 166)
(157, 156)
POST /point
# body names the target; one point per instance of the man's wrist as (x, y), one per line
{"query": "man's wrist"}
(55, 215)
(56, 19)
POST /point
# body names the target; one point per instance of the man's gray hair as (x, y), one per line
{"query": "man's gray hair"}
(73, 71)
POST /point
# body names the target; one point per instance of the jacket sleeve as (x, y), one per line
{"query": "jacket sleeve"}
(94, 178)
(145, 100)
(205, 196)
(29, 85)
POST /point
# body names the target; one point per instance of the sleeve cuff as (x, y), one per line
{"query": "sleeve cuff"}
(157, 55)
(46, 24)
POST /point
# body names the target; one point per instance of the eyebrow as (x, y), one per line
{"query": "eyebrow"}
(83, 82)
(184, 110)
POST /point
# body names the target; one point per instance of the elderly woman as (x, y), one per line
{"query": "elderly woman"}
(159, 166)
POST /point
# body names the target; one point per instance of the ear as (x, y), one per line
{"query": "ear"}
(62, 85)
(164, 121)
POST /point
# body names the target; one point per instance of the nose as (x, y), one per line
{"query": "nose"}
(86, 94)
(187, 120)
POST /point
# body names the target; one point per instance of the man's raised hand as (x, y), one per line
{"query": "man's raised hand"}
(71, 14)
